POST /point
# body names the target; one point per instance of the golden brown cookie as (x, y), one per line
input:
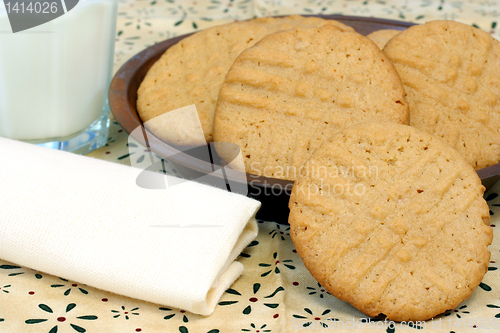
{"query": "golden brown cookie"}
(381, 37)
(451, 76)
(193, 70)
(293, 89)
(392, 220)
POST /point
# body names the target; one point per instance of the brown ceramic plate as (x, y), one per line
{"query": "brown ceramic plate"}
(273, 193)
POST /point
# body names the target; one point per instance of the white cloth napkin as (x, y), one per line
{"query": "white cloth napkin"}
(86, 220)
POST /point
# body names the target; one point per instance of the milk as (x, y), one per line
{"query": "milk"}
(54, 77)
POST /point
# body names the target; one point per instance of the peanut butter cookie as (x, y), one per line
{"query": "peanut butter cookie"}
(193, 70)
(293, 89)
(450, 72)
(392, 220)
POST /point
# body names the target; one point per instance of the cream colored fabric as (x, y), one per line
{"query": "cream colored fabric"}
(86, 220)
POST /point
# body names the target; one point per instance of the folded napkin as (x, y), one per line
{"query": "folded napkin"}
(86, 220)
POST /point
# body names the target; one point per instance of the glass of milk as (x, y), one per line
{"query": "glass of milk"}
(54, 78)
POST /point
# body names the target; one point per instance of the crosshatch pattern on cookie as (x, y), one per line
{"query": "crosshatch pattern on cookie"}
(450, 73)
(294, 89)
(407, 239)
(193, 70)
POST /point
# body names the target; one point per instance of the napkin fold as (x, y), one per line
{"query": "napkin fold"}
(86, 220)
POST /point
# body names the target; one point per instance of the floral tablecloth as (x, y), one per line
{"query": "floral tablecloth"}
(275, 292)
